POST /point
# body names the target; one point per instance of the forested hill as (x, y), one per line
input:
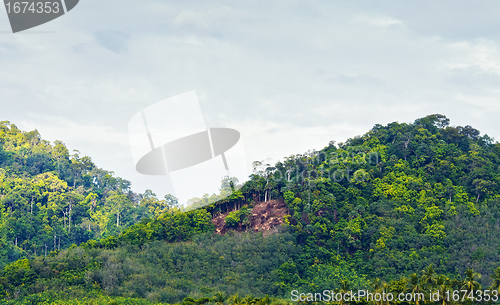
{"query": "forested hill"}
(51, 198)
(404, 207)
(419, 194)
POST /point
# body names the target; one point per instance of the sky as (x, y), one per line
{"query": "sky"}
(290, 76)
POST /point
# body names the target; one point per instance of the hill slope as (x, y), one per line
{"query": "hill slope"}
(371, 212)
(50, 199)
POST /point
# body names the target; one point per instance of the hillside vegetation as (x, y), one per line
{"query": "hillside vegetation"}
(51, 198)
(404, 207)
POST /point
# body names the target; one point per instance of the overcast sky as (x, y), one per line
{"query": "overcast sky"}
(289, 75)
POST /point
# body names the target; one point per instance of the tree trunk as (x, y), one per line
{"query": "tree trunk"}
(69, 217)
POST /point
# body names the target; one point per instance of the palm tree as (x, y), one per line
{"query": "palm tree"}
(377, 286)
(235, 300)
(376, 283)
(443, 285)
(470, 283)
(249, 300)
(264, 301)
(189, 301)
(415, 286)
(428, 277)
(203, 300)
(344, 288)
(385, 287)
(496, 279)
(219, 298)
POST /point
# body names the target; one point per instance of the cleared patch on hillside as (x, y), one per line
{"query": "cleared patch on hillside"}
(265, 217)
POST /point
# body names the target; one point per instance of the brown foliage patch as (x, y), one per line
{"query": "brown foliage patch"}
(265, 217)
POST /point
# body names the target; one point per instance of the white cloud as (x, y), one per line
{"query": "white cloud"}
(483, 55)
(205, 18)
(378, 21)
(57, 128)
(482, 103)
